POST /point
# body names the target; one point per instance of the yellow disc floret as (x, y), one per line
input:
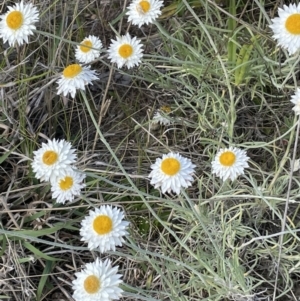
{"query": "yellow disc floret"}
(144, 6)
(102, 224)
(50, 157)
(292, 24)
(72, 70)
(92, 284)
(66, 183)
(227, 158)
(85, 46)
(170, 166)
(166, 109)
(125, 51)
(14, 20)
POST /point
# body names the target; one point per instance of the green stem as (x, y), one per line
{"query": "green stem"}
(232, 38)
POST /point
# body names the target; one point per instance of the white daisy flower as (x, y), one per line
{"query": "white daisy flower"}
(172, 172)
(17, 24)
(230, 163)
(88, 50)
(296, 101)
(53, 160)
(286, 28)
(125, 51)
(144, 12)
(66, 187)
(75, 77)
(97, 281)
(104, 228)
(160, 116)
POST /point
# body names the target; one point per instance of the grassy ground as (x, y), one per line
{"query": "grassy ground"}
(215, 64)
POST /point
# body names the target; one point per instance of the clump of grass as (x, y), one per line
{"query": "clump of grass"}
(217, 68)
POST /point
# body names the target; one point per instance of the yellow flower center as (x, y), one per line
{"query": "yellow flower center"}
(125, 51)
(166, 109)
(50, 157)
(144, 6)
(292, 24)
(170, 166)
(227, 158)
(102, 224)
(66, 183)
(14, 20)
(72, 70)
(92, 284)
(85, 46)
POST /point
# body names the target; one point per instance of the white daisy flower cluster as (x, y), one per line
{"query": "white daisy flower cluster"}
(76, 76)
(54, 162)
(103, 229)
(19, 23)
(172, 171)
(124, 50)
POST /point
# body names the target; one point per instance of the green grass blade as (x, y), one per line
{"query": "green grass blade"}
(43, 280)
(37, 252)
